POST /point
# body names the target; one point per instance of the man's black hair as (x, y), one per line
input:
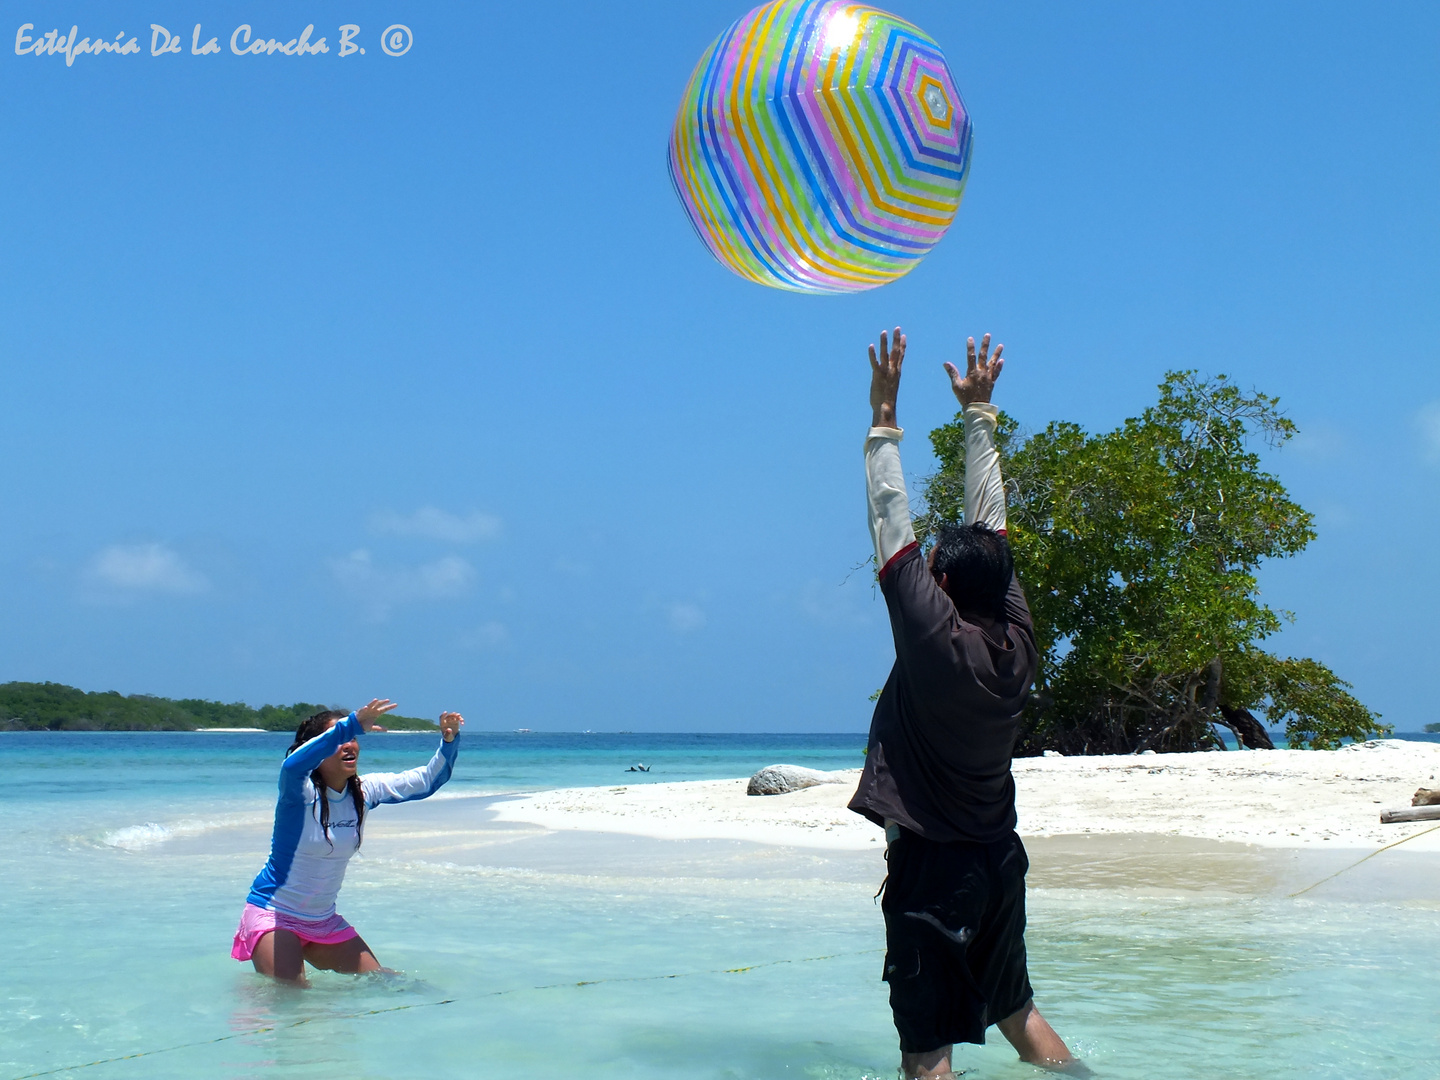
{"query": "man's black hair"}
(977, 561)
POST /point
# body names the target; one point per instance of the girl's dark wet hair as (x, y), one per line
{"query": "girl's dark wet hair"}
(308, 729)
(977, 561)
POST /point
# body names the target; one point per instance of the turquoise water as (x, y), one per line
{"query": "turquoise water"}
(1280, 744)
(126, 860)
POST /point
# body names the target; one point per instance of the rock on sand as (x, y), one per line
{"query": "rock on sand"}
(779, 779)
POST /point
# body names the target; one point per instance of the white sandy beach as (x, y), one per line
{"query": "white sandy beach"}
(1270, 798)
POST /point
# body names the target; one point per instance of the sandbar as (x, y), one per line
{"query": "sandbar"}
(1267, 798)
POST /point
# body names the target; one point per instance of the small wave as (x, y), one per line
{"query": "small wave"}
(481, 793)
(147, 835)
(137, 837)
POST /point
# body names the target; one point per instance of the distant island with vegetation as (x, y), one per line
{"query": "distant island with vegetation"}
(55, 707)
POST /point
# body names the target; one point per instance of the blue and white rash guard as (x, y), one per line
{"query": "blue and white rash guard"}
(306, 870)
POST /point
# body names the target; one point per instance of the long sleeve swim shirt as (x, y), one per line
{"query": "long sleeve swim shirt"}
(306, 869)
(938, 759)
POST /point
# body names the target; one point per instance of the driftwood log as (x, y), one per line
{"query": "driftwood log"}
(1410, 813)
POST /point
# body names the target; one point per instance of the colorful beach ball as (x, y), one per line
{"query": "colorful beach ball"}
(821, 146)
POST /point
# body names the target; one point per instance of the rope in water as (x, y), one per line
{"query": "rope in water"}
(434, 1004)
(1344, 869)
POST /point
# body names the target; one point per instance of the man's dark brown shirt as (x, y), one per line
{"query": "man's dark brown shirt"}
(944, 728)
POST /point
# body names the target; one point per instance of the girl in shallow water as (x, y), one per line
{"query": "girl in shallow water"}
(290, 915)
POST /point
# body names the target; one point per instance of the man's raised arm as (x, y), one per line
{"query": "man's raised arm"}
(889, 503)
(984, 488)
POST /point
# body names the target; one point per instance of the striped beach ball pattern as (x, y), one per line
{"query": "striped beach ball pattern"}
(821, 146)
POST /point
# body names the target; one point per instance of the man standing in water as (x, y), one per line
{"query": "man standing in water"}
(937, 771)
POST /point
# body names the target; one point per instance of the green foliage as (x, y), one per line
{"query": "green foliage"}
(1138, 549)
(1316, 706)
(55, 707)
(1432, 729)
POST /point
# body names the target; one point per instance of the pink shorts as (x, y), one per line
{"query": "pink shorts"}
(256, 922)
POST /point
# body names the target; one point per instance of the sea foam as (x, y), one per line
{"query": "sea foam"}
(150, 833)
(137, 837)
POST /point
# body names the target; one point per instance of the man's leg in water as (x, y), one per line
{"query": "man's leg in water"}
(1029, 1032)
(353, 957)
(280, 954)
(1033, 1037)
(931, 1065)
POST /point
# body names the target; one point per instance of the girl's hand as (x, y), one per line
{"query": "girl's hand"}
(450, 725)
(377, 708)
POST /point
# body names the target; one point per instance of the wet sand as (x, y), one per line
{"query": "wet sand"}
(474, 833)
(1176, 823)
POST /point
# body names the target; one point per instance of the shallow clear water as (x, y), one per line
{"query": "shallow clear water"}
(117, 943)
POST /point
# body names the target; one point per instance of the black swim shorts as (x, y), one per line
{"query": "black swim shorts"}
(954, 938)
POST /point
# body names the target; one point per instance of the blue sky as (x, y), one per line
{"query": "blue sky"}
(406, 376)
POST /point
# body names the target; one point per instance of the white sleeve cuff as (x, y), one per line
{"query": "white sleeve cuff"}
(985, 409)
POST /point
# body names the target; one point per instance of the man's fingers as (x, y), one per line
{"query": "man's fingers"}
(884, 350)
(984, 348)
(874, 364)
(995, 358)
(969, 357)
(995, 367)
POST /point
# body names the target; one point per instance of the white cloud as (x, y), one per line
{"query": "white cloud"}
(144, 568)
(432, 523)
(491, 635)
(382, 587)
(684, 618)
(1319, 442)
(1332, 513)
(1428, 421)
(836, 606)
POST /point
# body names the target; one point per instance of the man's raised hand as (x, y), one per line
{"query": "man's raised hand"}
(885, 378)
(450, 725)
(980, 372)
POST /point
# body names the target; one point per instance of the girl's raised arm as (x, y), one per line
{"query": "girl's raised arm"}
(306, 757)
(418, 783)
